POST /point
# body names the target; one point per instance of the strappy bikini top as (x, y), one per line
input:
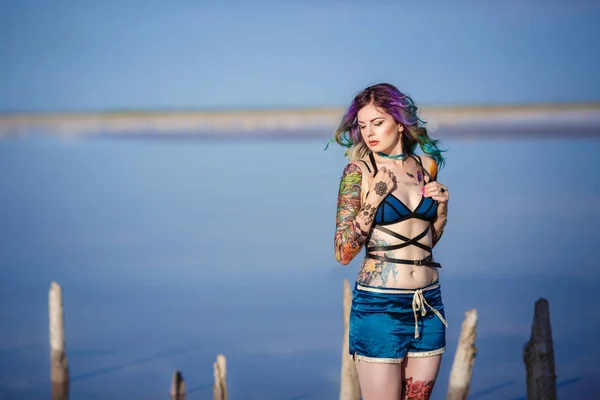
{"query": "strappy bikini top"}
(393, 210)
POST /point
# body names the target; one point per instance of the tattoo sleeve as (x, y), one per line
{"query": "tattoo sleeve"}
(350, 233)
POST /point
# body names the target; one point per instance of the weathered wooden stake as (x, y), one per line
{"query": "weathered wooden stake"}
(220, 372)
(462, 367)
(538, 356)
(177, 386)
(349, 387)
(59, 370)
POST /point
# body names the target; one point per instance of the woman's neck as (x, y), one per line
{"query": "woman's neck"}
(394, 153)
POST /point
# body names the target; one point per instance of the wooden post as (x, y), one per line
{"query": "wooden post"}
(220, 372)
(349, 387)
(59, 370)
(538, 356)
(177, 386)
(462, 368)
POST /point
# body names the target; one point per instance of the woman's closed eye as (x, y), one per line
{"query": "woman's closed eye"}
(375, 124)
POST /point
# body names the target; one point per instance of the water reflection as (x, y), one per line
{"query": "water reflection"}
(172, 252)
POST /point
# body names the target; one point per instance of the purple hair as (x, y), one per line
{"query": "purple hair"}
(401, 107)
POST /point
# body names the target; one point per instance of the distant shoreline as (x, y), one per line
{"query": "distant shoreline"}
(469, 108)
(280, 122)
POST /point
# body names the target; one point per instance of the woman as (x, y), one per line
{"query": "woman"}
(391, 203)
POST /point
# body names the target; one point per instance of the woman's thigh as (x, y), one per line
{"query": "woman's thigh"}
(379, 381)
(419, 375)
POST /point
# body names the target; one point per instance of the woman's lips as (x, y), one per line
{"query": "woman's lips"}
(373, 142)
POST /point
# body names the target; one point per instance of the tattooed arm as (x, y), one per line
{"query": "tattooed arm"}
(353, 219)
(352, 222)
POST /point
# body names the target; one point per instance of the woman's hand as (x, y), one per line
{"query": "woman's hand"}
(380, 185)
(437, 192)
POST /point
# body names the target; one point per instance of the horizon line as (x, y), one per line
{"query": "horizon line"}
(249, 109)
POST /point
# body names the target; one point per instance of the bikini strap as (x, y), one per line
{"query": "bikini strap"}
(366, 165)
(418, 159)
(372, 158)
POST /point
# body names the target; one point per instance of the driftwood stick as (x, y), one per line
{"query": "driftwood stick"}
(349, 387)
(220, 372)
(462, 368)
(177, 386)
(538, 356)
(59, 370)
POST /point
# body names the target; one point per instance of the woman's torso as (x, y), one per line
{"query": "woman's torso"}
(401, 231)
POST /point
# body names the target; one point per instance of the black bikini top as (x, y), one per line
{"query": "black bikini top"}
(393, 210)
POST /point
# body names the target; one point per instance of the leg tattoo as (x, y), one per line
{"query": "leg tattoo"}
(417, 390)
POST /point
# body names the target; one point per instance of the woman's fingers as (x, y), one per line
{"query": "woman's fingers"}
(436, 191)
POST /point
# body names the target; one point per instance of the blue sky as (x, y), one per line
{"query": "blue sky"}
(71, 56)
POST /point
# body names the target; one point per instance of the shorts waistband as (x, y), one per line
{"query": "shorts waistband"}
(377, 289)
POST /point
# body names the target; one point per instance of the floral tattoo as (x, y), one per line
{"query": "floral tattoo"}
(348, 236)
(417, 390)
(376, 272)
(370, 271)
(380, 188)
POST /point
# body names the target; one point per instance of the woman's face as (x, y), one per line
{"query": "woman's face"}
(378, 129)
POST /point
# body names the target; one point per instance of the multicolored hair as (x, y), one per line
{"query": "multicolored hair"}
(402, 108)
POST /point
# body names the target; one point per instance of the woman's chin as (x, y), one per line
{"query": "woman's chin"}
(378, 148)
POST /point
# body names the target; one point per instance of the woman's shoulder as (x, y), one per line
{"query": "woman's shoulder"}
(429, 164)
(361, 167)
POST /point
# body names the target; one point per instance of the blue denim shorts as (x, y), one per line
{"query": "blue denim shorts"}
(388, 324)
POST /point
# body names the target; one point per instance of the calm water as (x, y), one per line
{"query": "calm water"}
(170, 252)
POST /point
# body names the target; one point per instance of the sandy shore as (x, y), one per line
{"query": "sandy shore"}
(285, 121)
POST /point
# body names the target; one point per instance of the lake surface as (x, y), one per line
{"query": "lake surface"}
(170, 252)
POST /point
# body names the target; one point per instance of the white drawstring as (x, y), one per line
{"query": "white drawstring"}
(419, 303)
